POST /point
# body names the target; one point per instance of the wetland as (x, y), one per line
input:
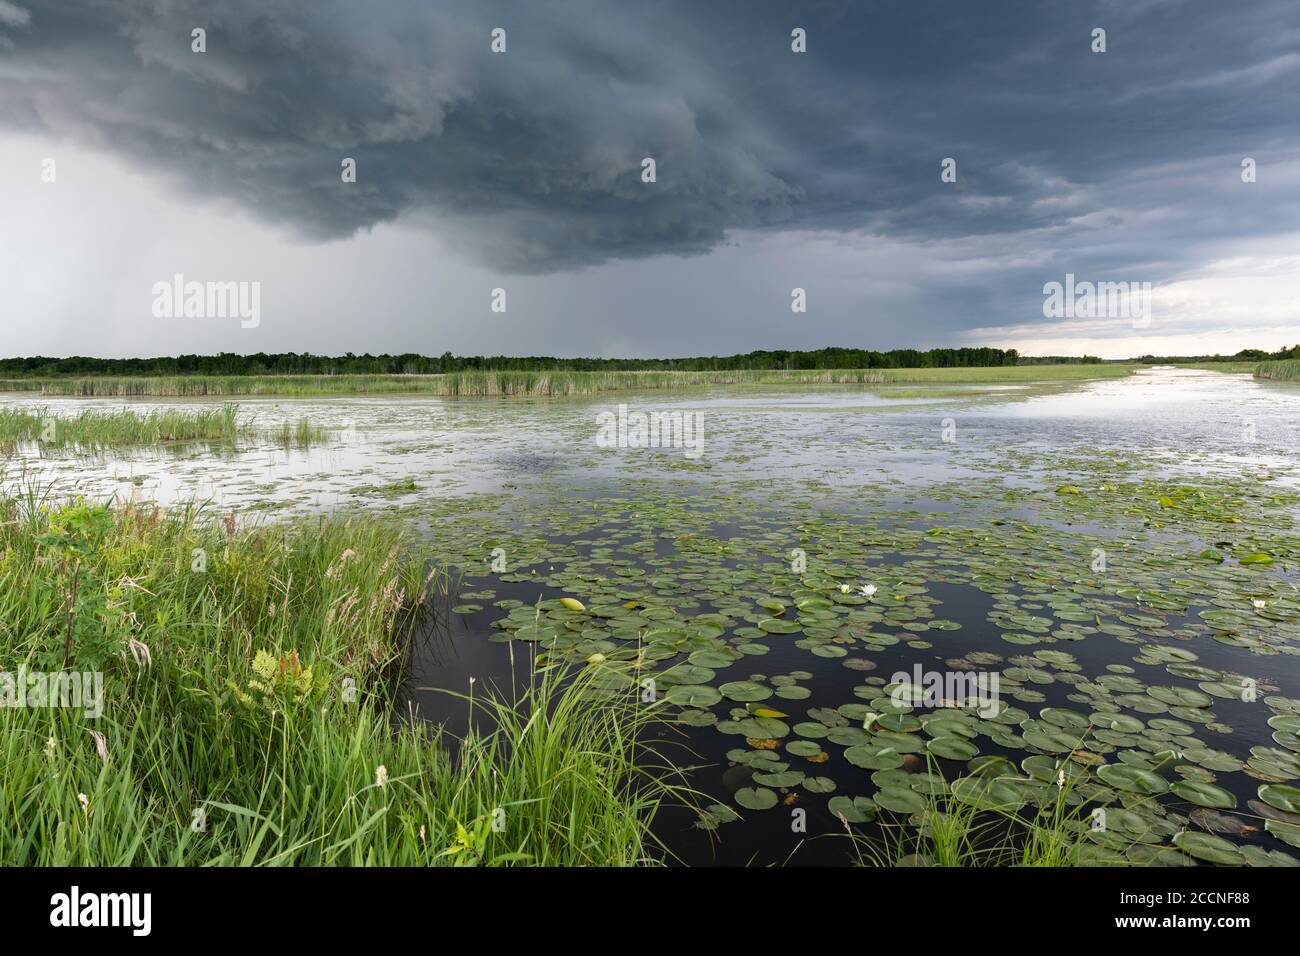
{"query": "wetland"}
(1115, 558)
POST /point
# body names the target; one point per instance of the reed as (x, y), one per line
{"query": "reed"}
(475, 384)
(1287, 370)
(93, 427)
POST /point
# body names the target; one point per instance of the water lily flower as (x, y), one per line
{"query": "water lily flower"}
(844, 589)
(868, 590)
(1259, 605)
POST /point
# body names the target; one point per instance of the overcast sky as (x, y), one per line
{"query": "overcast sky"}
(522, 170)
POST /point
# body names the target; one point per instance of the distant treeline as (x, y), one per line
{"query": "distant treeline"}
(1245, 355)
(295, 363)
(1057, 359)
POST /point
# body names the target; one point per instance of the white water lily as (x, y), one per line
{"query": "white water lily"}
(868, 590)
(1259, 605)
(844, 589)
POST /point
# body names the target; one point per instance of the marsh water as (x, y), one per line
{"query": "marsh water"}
(1120, 553)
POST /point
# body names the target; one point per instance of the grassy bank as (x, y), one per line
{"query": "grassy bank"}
(490, 384)
(1231, 368)
(248, 680)
(1284, 371)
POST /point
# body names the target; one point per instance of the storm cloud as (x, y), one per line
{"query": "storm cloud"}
(1124, 163)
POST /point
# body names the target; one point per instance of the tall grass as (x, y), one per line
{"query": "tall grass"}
(954, 833)
(249, 675)
(994, 822)
(92, 427)
(473, 384)
(302, 434)
(1287, 370)
(218, 386)
(1229, 368)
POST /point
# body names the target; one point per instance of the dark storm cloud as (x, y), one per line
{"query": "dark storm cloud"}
(531, 159)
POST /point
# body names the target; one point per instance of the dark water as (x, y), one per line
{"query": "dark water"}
(1178, 424)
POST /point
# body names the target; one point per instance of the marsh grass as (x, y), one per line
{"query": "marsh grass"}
(953, 833)
(983, 832)
(1287, 370)
(249, 677)
(302, 434)
(1228, 368)
(474, 384)
(93, 428)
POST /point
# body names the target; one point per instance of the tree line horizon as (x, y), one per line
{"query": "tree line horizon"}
(411, 363)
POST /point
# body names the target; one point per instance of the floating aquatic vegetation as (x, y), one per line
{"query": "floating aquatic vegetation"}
(693, 608)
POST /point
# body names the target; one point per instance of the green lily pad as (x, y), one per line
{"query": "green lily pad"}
(693, 695)
(1132, 779)
(900, 800)
(756, 798)
(744, 690)
(873, 757)
(1206, 846)
(1281, 796)
(1204, 794)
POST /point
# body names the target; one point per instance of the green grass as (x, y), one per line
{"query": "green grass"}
(1287, 370)
(541, 383)
(1232, 368)
(219, 386)
(228, 736)
(119, 427)
(303, 434)
(981, 831)
(92, 428)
